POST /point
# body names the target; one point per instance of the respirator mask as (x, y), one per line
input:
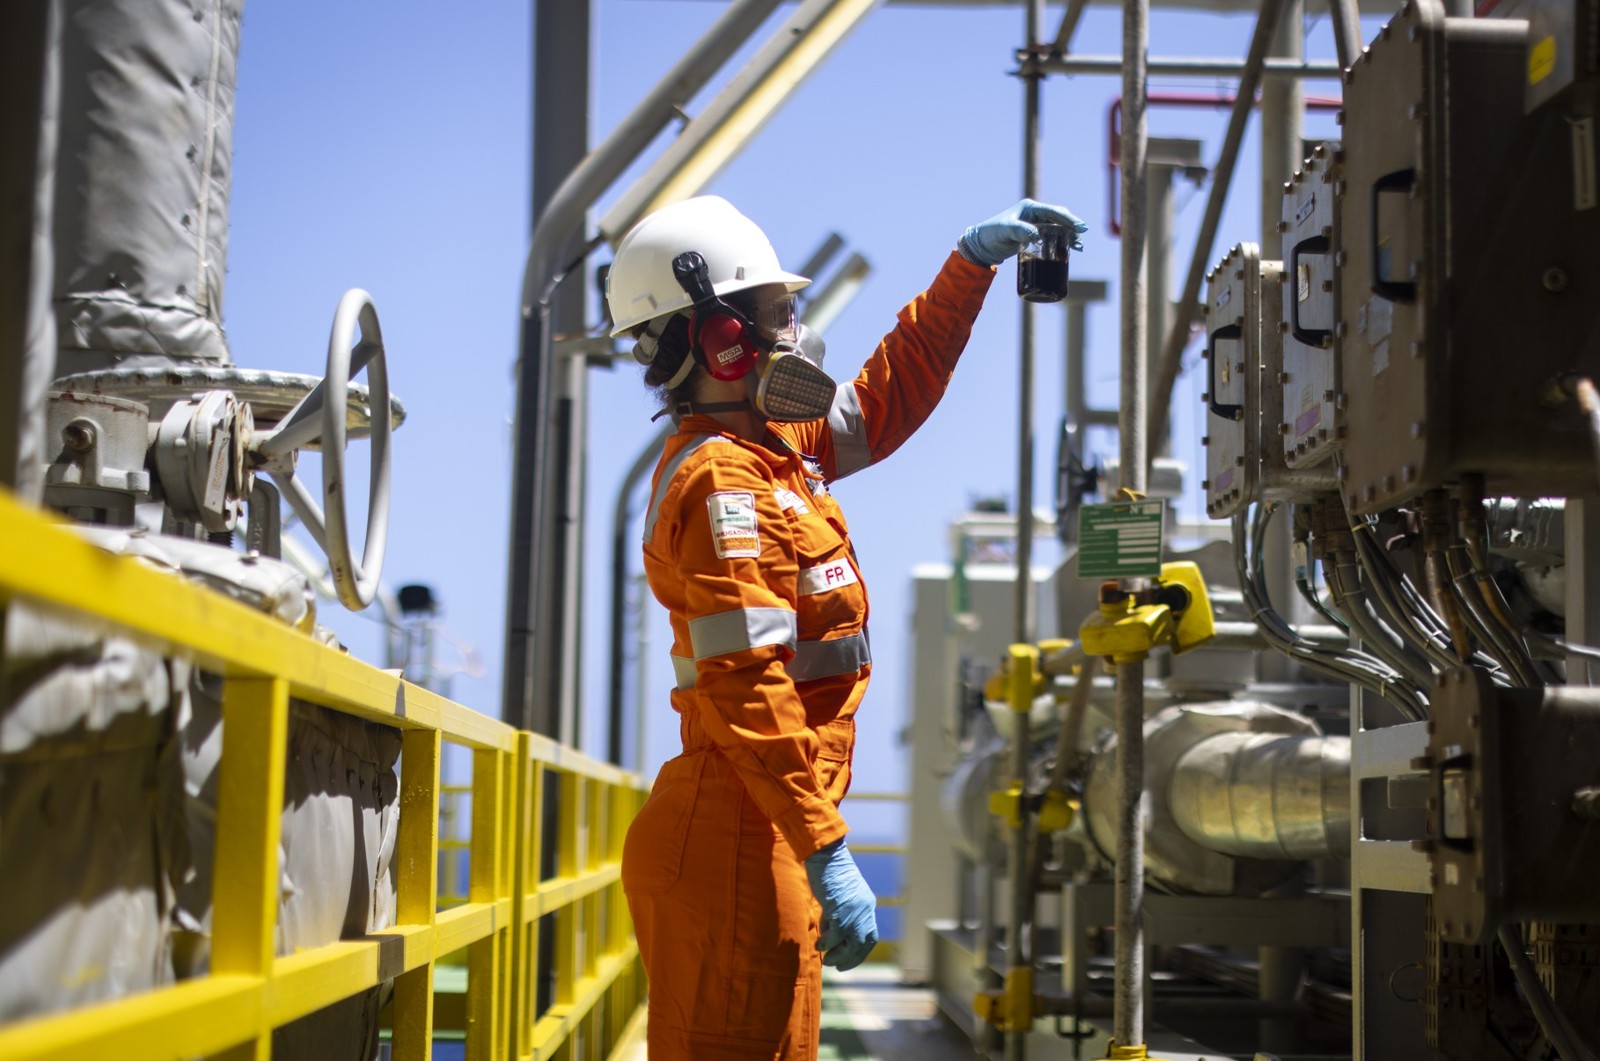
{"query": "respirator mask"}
(792, 387)
(761, 342)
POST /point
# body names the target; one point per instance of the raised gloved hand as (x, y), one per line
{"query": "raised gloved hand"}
(993, 241)
(849, 909)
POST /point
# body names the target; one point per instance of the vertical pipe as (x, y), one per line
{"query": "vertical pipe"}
(1282, 152)
(1346, 20)
(620, 517)
(30, 74)
(1128, 911)
(1158, 244)
(1077, 363)
(1019, 960)
(1022, 625)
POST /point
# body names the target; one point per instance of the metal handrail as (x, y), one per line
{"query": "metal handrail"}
(250, 989)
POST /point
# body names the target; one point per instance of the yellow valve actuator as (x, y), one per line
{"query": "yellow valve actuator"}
(1175, 613)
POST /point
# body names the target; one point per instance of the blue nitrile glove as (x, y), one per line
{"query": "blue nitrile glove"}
(849, 909)
(993, 241)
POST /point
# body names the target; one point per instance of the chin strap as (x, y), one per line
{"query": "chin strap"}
(683, 409)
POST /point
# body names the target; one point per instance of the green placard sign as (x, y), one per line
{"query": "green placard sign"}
(1121, 539)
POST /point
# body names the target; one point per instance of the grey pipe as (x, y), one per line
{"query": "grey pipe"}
(1110, 64)
(30, 90)
(1346, 21)
(563, 216)
(620, 517)
(1019, 861)
(1265, 795)
(1128, 905)
(1221, 180)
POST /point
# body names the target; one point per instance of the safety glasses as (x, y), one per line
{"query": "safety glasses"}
(774, 319)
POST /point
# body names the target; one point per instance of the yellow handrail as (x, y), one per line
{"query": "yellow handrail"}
(250, 990)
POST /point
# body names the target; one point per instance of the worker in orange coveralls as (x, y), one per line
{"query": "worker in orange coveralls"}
(736, 869)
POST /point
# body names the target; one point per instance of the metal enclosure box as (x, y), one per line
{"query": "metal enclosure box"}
(1312, 425)
(1430, 111)
(1233, 332)
(1244, 395)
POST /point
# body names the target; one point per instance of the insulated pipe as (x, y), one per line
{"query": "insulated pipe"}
(143, 174)
(1221, 181)
(1128, 907)
(1265, 795)
(563, 216)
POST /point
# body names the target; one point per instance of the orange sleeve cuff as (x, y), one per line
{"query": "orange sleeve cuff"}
(810, 824)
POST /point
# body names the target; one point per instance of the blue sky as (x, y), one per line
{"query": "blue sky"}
(386, 146)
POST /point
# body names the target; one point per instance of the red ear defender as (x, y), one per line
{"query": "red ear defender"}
(724, 344)
(718, 335)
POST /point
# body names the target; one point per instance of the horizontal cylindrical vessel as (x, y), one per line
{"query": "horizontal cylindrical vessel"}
(1265, 795)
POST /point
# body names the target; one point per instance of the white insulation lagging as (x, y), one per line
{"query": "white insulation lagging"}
(143, 174)
(1265, 795)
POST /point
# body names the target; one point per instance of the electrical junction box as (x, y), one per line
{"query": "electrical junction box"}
(1233, 306)
(1430, 112)
(1244, 396)
(1563, 49)
(1311, 426)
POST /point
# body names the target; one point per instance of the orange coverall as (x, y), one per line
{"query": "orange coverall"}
(751, 557)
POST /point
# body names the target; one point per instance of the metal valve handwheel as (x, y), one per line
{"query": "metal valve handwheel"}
(320, 417)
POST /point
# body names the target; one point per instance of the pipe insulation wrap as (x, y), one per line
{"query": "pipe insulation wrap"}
(1265, 795)
(143, 179)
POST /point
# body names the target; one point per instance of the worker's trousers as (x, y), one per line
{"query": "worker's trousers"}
(726, 924)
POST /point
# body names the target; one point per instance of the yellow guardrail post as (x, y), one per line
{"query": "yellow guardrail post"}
(524, 877)
(255, 715)
(486, 958)
(568, 960)
(417, 868)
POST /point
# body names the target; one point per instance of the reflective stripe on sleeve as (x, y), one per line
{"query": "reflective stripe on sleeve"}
(824, 659)
(851, 451)
(717, 635)
(683, 671)
(664, 480)
(812, 659)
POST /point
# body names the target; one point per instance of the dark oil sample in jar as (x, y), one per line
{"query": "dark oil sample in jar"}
(1042, 265)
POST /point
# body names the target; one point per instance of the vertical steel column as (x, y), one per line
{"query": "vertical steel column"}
(1128, 1014)
(30, 75)
(560, 142)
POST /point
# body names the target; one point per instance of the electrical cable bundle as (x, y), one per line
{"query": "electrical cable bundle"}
(1351, 666)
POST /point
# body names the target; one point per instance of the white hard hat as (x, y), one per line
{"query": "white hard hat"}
(640, 285)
